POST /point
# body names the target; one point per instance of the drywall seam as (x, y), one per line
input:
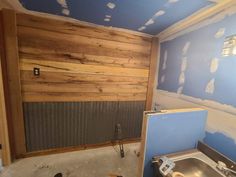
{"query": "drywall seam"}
(16, 5)
(198, 20)
(152, 19)
(218, 120)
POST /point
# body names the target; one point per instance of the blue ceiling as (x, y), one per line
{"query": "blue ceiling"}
(127, 14)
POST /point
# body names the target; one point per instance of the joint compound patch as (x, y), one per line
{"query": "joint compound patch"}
(142, 28)
(184, 64)
(181, 78)
(107, 19)
(180, 90)
(172, 1)
(210, 88)
(149, 22)
(234, 51)
(214, 65)
(186, 48)
(165, 61)
(65, 12)
(159, 13)
(111, 5)
(220, 33)
(63, 3)
(163, 78)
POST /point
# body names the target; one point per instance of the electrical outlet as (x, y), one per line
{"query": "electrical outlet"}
(36, 71)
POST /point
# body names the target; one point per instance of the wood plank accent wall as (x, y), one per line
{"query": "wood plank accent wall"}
(81, 63)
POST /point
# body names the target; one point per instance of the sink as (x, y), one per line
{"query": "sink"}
(193, 167)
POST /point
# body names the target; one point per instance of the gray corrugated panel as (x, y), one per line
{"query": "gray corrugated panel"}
(130, 116)
(66, 124)
(101, 122)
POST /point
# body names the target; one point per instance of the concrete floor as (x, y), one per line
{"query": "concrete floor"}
(101, 162)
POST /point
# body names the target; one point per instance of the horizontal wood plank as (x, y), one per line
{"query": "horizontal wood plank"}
(82, 88)
(67, 78)
(24, 32)
(79, 29)
(82, 58)
(74, 47)
(52, 66)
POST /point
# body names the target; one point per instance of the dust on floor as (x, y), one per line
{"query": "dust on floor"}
(101, 162)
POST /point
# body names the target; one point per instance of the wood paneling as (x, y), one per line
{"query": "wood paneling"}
(52, 66)
(80, 63)
(82, 30)
(13, 79)
(63, 77)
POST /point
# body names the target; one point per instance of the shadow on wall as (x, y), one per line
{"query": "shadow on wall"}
(227, 145)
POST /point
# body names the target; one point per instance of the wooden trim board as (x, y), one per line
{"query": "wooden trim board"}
(13, 79)
(78, 148)
(195, 19)
(152, 72)
(4, 136)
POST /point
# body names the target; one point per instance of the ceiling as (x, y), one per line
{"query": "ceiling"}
(147, 16)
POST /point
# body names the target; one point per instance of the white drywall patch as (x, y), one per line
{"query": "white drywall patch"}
(65, 12)
(180, 90)
(181, 78)
(111, 5)
(159, 13)
(142, 28)
(234, 51)
(220, 33)
(163, 78)
(184, 64)
(152, 20)
(165, 61)
(214, 65)
(149, 22)
(210, 88)
(106, 19)
(63, 3)
(172, 1)
(186, 48)
(64, 6)
(215, 1)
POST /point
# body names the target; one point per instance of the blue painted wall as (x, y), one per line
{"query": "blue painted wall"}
(222, 143)
(172, 132)
(202, 49)
(128, 14)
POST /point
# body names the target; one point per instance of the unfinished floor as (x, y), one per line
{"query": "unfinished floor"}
(101, 162)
